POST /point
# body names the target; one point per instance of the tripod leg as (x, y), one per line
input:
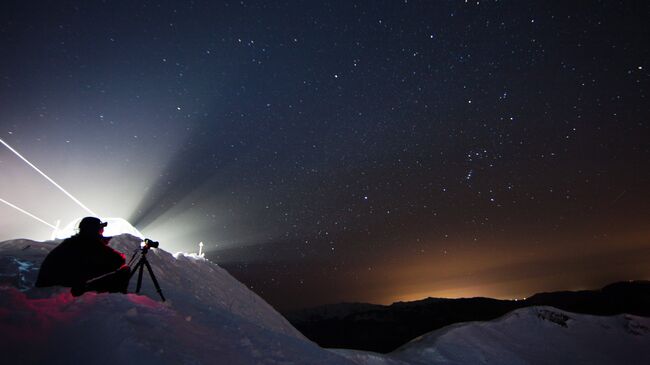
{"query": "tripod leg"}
(137, 268)
(134, 269)
(153, 278)
(135, 254)
(141, 268)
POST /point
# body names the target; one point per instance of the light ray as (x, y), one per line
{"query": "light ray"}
(48, 178)
(28, 213)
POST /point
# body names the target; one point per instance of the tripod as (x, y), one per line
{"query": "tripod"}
(139, 267)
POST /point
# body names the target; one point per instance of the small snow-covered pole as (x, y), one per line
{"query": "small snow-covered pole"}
(200, 249)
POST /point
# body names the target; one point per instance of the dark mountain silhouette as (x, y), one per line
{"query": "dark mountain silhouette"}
(384, 328)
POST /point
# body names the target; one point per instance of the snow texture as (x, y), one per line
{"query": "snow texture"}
(211, 318)
(532, 335)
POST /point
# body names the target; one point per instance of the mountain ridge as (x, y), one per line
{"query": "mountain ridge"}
(383, 328)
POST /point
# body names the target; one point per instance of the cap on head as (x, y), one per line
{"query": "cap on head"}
(91, 225)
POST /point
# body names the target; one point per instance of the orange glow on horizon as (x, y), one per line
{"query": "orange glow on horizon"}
(502, 270)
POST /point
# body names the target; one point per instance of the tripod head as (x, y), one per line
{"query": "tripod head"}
(149, 244)
(143, 249)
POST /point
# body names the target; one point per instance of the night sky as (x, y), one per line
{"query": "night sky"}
(368, 151)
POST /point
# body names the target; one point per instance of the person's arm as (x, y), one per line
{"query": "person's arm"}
(114, 258)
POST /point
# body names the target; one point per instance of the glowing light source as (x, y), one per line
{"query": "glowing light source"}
(116, 226)
(47, 177)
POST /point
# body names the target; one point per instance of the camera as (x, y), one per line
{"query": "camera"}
(150, 243)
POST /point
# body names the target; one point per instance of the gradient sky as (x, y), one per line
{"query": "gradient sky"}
(342, 151)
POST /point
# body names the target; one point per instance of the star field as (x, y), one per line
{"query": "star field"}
(344, 151)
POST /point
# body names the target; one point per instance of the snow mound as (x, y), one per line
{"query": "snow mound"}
(532, 335)
(209, 317)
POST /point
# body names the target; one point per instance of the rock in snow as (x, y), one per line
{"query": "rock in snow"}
(211, 318)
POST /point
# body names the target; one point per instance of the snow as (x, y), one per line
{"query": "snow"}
(532, 335)
(211, 318)
(369, 358)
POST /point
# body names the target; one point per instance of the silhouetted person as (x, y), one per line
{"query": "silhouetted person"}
(84, 262)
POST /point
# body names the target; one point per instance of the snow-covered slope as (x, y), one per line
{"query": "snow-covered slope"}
(209, 317)
(533, 335)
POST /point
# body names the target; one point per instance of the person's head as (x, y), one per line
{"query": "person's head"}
(91, 226)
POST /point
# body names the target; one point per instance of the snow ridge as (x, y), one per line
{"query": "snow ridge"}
(209, 317)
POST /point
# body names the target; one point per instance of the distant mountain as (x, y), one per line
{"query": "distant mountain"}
(382, 329)
(631, 297)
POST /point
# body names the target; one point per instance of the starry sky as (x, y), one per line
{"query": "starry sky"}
(369, 151)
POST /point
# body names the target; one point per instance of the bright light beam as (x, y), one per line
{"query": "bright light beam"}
(48, 178)
(28, 213)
